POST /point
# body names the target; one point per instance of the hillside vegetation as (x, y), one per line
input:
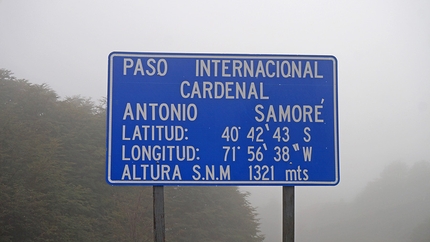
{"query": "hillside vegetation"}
(52, 180)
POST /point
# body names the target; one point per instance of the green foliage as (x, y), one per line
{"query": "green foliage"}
(52, 181)
(213, 214)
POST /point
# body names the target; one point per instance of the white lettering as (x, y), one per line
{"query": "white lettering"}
(162, 111)
(288, 113)
(271, 68)
(222, 90)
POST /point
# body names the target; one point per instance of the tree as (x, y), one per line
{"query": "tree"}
(52, 180)
(210, 214)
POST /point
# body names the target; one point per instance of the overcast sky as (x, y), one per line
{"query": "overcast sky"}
(382, 47)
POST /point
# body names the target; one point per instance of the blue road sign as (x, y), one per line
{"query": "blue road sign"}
(222, 119)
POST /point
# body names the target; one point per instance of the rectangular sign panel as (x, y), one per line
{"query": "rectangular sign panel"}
(222, 119)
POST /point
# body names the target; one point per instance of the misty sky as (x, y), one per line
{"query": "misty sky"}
(382, 47)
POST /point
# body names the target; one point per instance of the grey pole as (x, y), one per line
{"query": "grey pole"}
(158, 211)
(288, 213)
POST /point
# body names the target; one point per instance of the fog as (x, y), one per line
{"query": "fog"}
(382, 49)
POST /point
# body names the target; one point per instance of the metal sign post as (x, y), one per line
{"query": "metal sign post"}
(158, 210)
(288, 220)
